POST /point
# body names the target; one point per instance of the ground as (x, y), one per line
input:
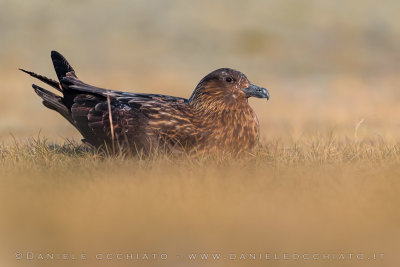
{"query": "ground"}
(308, 196)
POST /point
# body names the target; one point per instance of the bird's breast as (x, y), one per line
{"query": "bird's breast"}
(235, 129)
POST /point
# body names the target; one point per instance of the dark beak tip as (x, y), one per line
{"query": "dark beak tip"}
(256, 91)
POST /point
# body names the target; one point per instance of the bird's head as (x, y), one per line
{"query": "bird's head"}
(226, 87)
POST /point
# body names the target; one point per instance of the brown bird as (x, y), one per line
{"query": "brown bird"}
(217, 118)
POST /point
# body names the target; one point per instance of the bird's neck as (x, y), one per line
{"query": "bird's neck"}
(210, 105)
(229, 115)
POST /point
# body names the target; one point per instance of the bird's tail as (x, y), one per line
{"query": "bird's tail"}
(51, 100)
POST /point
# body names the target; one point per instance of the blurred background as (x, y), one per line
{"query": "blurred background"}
(332, 69)
(327, 64)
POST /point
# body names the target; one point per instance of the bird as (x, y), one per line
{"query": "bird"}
(215, 119)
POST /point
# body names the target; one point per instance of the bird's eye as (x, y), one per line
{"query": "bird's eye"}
(229, 79)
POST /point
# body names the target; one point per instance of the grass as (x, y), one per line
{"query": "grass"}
(320, 150)
(314, 195)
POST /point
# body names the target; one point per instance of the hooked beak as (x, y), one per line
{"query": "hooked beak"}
(256, 91)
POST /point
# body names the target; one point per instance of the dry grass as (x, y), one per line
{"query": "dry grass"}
(320, 196)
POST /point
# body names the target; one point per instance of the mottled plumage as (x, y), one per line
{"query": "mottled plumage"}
(216, 118)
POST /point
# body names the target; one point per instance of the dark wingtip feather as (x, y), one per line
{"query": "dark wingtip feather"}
(52, 101)
(26, 71)
(44, 79)
(61, 65)
(36, 88)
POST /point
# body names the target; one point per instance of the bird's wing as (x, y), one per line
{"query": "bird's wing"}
(136, 118)
(74, 85)
(170, 119)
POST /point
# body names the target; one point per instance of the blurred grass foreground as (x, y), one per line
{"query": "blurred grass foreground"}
(320, 197)
(324, 181)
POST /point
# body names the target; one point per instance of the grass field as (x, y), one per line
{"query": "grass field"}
(318, 196)
(324, 180)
